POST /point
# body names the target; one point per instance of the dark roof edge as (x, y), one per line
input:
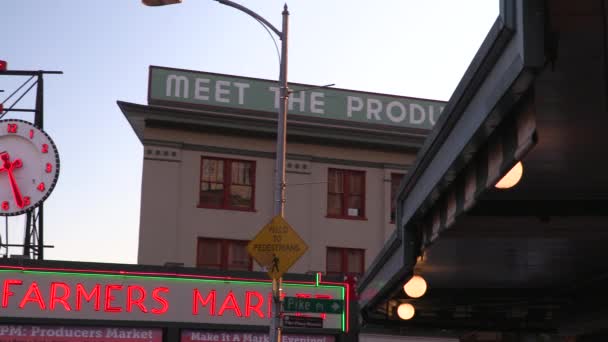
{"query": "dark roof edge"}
(467, 86)
(377, 136)
(124, 108)
(486, 58)
(515, 38)
(470, 83)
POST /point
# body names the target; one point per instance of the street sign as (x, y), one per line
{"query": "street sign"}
(302, 321)
(277, 247)
(296, 304)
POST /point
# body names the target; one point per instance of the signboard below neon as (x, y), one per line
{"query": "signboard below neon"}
(213, 300)
(235, 336)
(35, 333)
(176, 87)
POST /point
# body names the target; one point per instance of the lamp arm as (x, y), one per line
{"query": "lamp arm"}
(253, 14)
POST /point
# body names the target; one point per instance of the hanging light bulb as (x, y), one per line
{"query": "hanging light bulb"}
(415, 287)
(406, 311)
(512, 177)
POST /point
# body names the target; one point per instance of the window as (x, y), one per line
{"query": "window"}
(345, 261)
(227, 184)
(395, 182)
(346, 194)
(222, 254)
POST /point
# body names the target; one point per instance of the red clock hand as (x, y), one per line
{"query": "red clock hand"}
(15, 188)
(8, 167)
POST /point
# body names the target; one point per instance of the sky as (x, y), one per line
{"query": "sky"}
(417, 48)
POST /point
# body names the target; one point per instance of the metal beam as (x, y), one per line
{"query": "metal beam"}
(28, 72)
(540, 208)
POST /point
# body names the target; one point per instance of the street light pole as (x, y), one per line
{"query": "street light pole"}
(279, 194)
(279, 186)
(279, 190)
(279, 174)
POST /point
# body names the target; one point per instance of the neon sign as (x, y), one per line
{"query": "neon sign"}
(100, 297)
(39, 293)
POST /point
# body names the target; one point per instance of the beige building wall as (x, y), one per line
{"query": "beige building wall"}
(171, 221)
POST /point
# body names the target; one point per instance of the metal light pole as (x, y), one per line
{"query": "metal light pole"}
(279, 186)
(279, 190)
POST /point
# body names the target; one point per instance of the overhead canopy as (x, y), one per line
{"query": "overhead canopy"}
(530, 258)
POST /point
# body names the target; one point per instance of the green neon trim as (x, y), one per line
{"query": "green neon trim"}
(313, 285)
(184, 280)
(342, 294)
(344, 313)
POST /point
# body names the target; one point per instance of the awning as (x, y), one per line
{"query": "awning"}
(475, 142)
(503, 150)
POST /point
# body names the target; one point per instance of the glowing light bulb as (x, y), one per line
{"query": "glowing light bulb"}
(415, 287)
(511, 178)
(406, 311)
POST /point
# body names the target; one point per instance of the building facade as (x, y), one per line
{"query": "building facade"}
(208, 181)
(207, 189)
(208, 169)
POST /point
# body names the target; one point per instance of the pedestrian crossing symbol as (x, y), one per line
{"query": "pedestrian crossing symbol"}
(277, 247)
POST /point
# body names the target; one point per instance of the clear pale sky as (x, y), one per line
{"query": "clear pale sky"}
(417, 48)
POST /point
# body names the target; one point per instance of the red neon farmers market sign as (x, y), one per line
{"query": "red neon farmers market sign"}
(132, 296)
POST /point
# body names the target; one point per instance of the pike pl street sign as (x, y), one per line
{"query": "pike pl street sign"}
(277, 247)
(316, 305)
(302, 322)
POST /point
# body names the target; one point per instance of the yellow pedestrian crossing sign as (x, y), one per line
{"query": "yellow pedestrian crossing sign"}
(277, 247)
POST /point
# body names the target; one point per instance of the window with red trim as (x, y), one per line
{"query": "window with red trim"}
(227, 184)
(223, 254)
(395, 182)
(345, 261)
(345, 193)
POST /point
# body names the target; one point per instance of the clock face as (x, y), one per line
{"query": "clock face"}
(29, 166)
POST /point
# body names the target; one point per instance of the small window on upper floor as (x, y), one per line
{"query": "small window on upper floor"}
(346, 194)
(223, 254)
(345, 261)
(227, 184)
(395, 182)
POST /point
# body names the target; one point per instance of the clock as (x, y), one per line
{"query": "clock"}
(29, 166)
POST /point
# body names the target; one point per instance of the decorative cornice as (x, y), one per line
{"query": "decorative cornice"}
(259, 124)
